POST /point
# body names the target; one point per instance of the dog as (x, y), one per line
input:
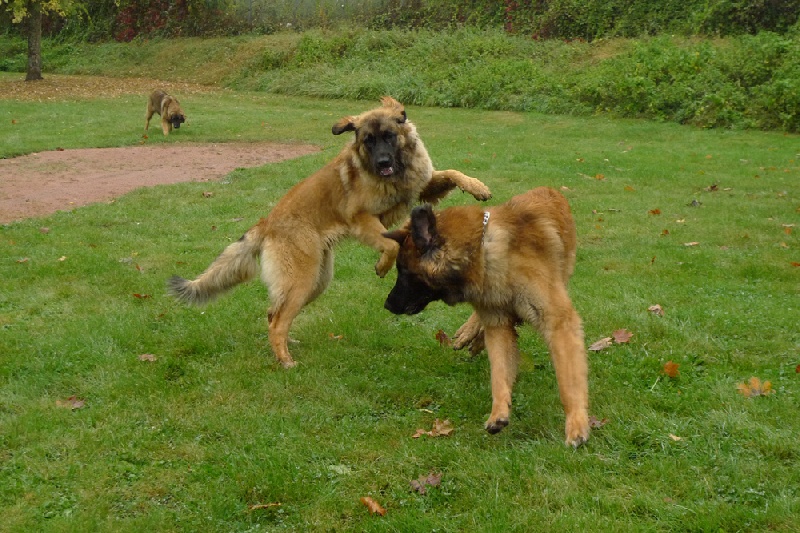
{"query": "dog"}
(512, 263)
(168, 108)
(371, 185)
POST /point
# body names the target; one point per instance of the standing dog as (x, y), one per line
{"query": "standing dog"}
(512, 263)
(168, 108)
(373, 183)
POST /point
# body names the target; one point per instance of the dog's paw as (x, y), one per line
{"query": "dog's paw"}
(496, 426)
(577, 430)
(469, 334)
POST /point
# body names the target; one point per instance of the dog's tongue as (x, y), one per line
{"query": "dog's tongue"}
(388, 171)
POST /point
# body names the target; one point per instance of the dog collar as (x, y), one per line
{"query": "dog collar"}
(486, 216)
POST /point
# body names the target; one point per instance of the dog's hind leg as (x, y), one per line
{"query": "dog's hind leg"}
(562, 330)
(501, 343)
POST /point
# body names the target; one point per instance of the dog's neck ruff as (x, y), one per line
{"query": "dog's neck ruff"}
(486, 216)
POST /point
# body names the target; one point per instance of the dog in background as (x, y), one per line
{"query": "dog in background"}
(372, 184)
(512, 262)
(168, 108)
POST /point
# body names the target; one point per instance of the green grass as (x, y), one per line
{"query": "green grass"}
(188, 442)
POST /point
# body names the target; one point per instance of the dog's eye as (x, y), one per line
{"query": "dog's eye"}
(389, 136)
(369, 139)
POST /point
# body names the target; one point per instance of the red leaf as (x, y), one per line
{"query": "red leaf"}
(622, 336)
(373, 506)
(671, 369)
(141, 296)
(654, 212)
(443, 339)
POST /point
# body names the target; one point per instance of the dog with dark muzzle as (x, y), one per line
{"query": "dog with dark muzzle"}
(371, 185)
(168, 107)
(512, 263)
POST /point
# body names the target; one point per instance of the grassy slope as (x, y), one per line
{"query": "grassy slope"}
(188, 442)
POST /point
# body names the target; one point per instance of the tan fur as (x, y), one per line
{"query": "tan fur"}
(515, 269)
(344, 198)
(160, 103)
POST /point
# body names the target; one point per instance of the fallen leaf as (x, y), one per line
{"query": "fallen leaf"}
(654, 212)
(565, 188)
(622, 336)
(665, 232)
(656, 310)
(599, 177)
(754, 387)
(693, 243)
(62, 258)
(23, 260)
(712, 188)
(73, 402)
(629, 188)
(373, 506)
(443, 339)
(333, 337)
(422, 482)
(794, 263)
(787, 230)
(797, 369)
(258, 506)
(675, 437)
(147, 357)
(594, 423)
(441, 428)
(602, 344)
(671, 369)
(207, 194)
(44, 230)
(141, 296)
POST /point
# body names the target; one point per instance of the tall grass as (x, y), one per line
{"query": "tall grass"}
(193, 440)
(741, 82)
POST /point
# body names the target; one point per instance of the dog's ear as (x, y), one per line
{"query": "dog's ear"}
(397, 107)
(345, 124)
(423, 228)
(398, 235)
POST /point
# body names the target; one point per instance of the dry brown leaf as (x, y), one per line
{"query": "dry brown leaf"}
(443, 338)
(259, 506)
(147, 357)
(675, 437)
(441, 428)
(73, 402)
(622, 336)
(333, 337)
(599, 177)
(693, 243)
(629, 188)
(422, 482)
(207, 194)
(671, 369)
(373, 506)
(602, 344)
(656, 310)
(594, 423)
(141, 296)
(754, 387)
(654, 212)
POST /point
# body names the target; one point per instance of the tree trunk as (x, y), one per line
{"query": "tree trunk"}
(34, 41)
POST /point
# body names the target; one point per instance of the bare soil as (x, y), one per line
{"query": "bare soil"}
(43, 183)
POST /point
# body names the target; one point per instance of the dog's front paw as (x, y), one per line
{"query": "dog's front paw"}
(470, 333)
(496, 426)
(577, 429)
(476, 188)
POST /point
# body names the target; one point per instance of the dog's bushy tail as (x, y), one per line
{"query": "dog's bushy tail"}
(236, 264)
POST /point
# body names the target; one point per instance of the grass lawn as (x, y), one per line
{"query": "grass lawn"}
(211, 431)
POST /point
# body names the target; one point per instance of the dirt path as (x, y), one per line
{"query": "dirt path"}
(42, 183)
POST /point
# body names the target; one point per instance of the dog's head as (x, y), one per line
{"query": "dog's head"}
(381, 135)
(425, 273)
(176, 120)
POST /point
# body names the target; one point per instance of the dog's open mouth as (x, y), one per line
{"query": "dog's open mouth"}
(386, 171)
